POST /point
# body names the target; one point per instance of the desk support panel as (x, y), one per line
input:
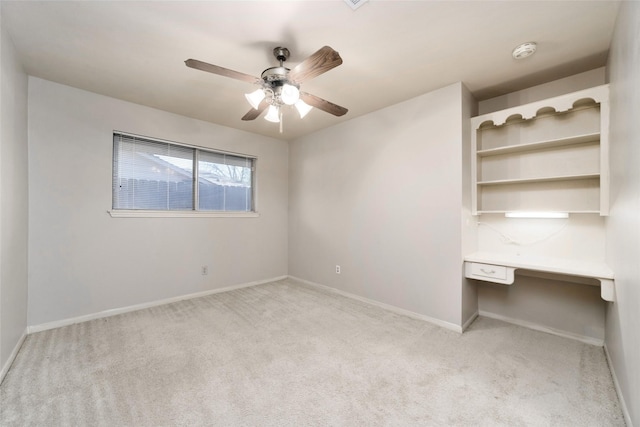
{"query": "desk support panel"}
(607, 290)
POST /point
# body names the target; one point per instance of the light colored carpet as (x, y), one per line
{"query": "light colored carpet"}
(286, 354)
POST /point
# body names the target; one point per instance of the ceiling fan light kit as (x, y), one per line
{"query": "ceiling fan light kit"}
(273, 114)
(289, 94)
(303, 108)
(255, 98)
(280, 86)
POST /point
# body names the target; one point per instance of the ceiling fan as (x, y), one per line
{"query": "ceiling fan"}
(280, 86)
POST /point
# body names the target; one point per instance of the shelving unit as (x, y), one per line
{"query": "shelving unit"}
(546, 155)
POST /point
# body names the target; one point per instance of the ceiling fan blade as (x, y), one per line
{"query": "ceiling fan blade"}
(320, 62)
(321, 104)
(210, 68)
(253, 113)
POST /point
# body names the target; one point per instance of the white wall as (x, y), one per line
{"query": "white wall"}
(558, 87)
(13, 201)
(83, 261)
(469, 222)
(551, 303)
(623, 224)
(380, 196)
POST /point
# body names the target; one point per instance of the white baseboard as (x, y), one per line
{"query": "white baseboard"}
(469, 321)
(616, 384)
(392, 308)
(113, 312)
(536, 327)
(12, 356)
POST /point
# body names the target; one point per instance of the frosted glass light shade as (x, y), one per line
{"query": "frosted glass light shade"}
(273, 114)
(303, 108)
(290, 94)
(255, 98)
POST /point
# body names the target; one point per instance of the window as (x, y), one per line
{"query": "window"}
(155, 175)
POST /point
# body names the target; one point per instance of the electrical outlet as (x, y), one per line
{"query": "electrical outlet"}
(205, 270)
(337, 269)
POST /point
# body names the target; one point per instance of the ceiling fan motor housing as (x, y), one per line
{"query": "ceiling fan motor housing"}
(281, 54)
(276, 74)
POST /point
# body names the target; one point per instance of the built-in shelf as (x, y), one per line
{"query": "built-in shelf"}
(560, 142)
(546, 155)
(500, 268)
(541, 179)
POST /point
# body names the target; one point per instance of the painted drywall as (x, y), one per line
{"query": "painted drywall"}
(83, 261)
(553, 303)
(623, 223)
(380, 196)
(469, 224)
(13, 201)
(558, 87)
(569, 309)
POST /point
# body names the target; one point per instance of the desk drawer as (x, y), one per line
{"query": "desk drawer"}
(488, 270)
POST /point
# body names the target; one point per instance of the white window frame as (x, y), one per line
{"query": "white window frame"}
(146, 213)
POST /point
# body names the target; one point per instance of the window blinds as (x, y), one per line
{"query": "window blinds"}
(156, 175)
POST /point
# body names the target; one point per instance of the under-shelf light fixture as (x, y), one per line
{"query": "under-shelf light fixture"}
(540, 214)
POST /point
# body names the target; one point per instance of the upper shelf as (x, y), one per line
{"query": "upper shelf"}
(558, 142)
(540, 179)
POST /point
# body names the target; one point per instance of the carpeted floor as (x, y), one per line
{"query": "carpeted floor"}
(286, 354)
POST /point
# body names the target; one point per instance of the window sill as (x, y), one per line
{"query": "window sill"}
(179, 214)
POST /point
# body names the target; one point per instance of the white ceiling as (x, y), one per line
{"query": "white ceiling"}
(392, 50)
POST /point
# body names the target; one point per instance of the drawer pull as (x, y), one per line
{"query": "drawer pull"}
(488, 271)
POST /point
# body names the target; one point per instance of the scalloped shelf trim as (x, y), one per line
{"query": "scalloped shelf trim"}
(557, 104)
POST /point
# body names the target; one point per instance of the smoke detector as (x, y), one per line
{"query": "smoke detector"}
(524, 50)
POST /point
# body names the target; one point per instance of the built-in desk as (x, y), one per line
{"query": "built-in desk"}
(500, 268)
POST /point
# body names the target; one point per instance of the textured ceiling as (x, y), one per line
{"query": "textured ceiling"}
(392, 50)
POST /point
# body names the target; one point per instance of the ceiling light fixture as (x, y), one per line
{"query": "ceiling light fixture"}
(303, 108)
(524, 50)
(255, 98)
(273, 114)
(290, 94)
(280, 86)
(277, 91)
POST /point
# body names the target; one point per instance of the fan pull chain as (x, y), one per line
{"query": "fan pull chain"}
(280, 111)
